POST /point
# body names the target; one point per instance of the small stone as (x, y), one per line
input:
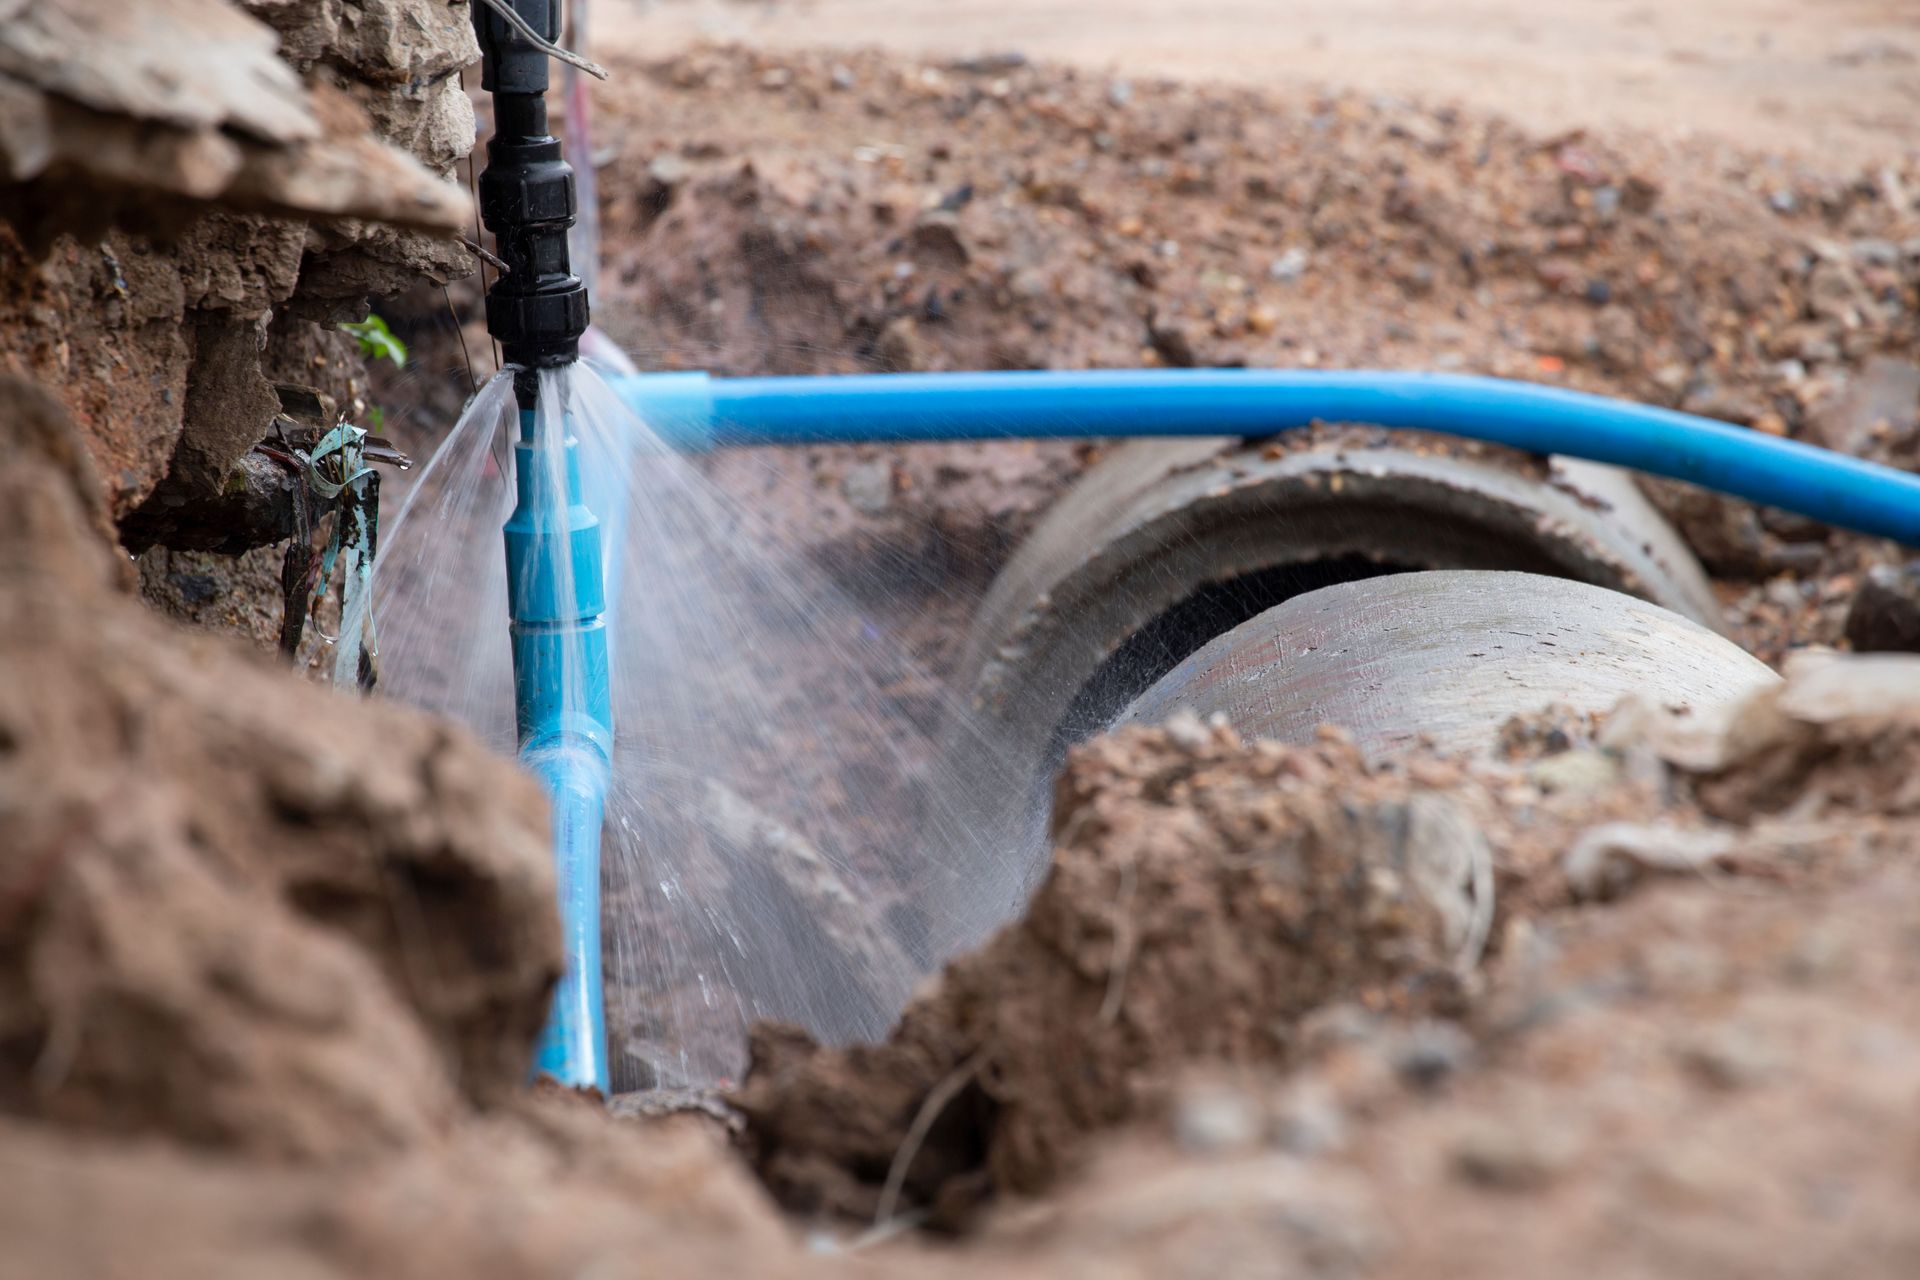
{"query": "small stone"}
(1430, 1053)
(1506, 1155)
(1187, 731)
(868, 487)
(1119, 93)
(1173, 342)
(1215, 1119)
(1605, 860)
(1884, 616)
(935, 241)
(989, 64)
(899, 348)
(957, 199)
(1879, 408)
(1029, 283)
(1421, 130)
(1289, 266)
(667, 170)
(1834, 290)
(1729, 1057)
(1307, 1122)
(1576, 772)
(1876, 253)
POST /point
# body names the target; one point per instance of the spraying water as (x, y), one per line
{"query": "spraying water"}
(780, 841)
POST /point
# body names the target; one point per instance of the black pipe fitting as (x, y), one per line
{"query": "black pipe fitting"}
(537, 308)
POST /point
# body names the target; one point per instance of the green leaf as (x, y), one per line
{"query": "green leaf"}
(376, 340)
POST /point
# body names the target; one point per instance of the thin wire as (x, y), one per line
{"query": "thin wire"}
(540, 42)
(473, 382)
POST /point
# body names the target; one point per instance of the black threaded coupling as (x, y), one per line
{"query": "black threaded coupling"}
(537, 308)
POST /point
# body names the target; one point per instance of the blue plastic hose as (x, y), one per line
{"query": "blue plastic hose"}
(695, 411)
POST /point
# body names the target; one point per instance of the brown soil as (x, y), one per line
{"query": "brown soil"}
(1207, 895)
(1831, 82)
(1209, 1043)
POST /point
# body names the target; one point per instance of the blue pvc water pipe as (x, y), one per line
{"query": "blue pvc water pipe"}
(563, 709)
(696, 411)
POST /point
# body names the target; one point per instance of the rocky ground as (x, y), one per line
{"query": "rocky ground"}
(1634, 998)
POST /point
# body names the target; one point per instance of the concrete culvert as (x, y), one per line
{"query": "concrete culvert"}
(1164, 545)
(1446, 658)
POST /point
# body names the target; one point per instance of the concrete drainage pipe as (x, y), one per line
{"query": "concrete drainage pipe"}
(1448, 658)
(1165, 544)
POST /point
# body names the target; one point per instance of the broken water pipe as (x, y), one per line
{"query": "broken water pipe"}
(537, 310)
(559, 537)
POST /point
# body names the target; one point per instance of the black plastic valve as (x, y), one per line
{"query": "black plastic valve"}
(537, 309)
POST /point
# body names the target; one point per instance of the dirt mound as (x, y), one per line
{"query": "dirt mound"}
(1709, 1079)
(237, 910)
(1204, 896)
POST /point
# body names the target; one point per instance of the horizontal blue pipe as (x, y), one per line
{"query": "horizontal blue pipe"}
(695, 411)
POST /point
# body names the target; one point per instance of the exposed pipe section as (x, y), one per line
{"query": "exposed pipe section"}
(694, 411)
(1164, 544)
(1447, 658)
(537, 310)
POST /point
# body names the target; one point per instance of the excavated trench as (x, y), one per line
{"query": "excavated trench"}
(271, 962)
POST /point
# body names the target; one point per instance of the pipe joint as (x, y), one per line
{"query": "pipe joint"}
(538, 309)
